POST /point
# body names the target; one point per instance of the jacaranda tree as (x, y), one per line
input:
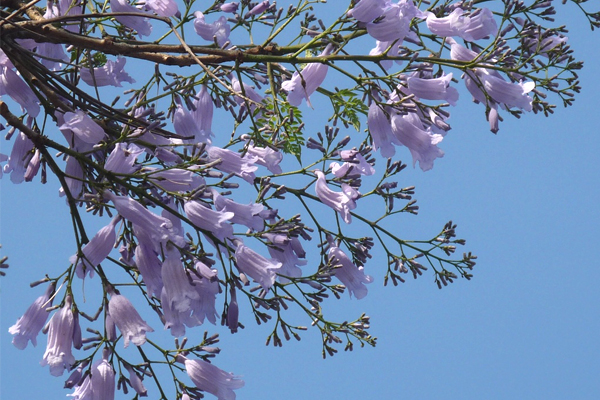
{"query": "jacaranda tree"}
(189, 128)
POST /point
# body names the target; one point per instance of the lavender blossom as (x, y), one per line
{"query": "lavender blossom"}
(505, 93)
(84, 390)
(265, 156)
(421, 142)
(474, 27)
(355, 164)
(247, 215)
(175, 179)
(342, 202)
(288, 252)
(98, 248)
(103, 379)
(218, 30)
(149, 265)
(163, 8)
(230, 7)
(233, 163)
(233, 312)
(61, 328)
(395, 21)
(433, 89)
(69, 7)
(381, 131)
(305, 83)
(256, 266)
(31, 323)
(121, 159)
(139, 24)
(14, 86)
(381, 47)
(111, 74)
(350, 275)
(19, 158)
(368, 10)
(259, 8)
(177, 283)
(248, 93)
(215, 222)
(203, 114)
(136, 382)
(74, 178)
(127, 319)
(83, 127)
(211, 379)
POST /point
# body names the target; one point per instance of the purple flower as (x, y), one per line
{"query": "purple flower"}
(395, 21)
(408, 129)
(433, 89)
(230, 7)
(178, 288)
(288, 251)
(67, 7)
(84, 390)
(122, 158)
(303, 84)
(164, 8)
(33, 167)
(13, 85)
(175, 179)
(248, 93)
(20, 156)
(342, 202)
(215, 222)
(368, 10)
(111, 74)
(98, 248)
(213, 380)
(265, 156)
(149, 265)
(83, 127)
(73, 177)
(103, 379)
(350, 275)
(381, 131)
(139, 24)
(31, 323)
(188, 127)
(127, 319)
(136, 382)
(61, 329)
(233, 163)
(203, 114)
(505, 93)
(233, 311)
(256, 266)
(218, 30)
(355, 164)
(243, 214)
(476, 26)
(258, 9)
(381, 47)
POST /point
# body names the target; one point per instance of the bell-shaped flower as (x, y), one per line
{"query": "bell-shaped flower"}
(73, 177)
(127, 319)
(355, 164)
(421, 143)
(460, 52)
(31, 323)
(148, 264)
(433, 89)
(258, 8)
(215, 222)
(204, 307)
(232, 162)
(218, 30)
(61, 328)
(265, 156)
(83, 127)
(121, 159)
(177, 284)
(203, 114)
(257, 267)
(14, 86)
(139, 24)
(381, 131)
(19, 158)
(211, 379)
(103, 379)
(135, 381)
(110, 74)
(343, 202)
(33, 167)
(184, 124)
(305, 83)
(368, 10)
(381, 47)
(350, 275)
(244, 214)
(70, 7)
(473, 27)
(394, 23)
(163, 8)
(288, 251)
(98, 248)
(83, 391)
(175, 179)
(230, 7)
(505, 93)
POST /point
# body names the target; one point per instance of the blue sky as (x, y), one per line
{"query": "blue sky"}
(525, 327)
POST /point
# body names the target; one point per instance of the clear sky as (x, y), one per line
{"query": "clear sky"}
(525, 327)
